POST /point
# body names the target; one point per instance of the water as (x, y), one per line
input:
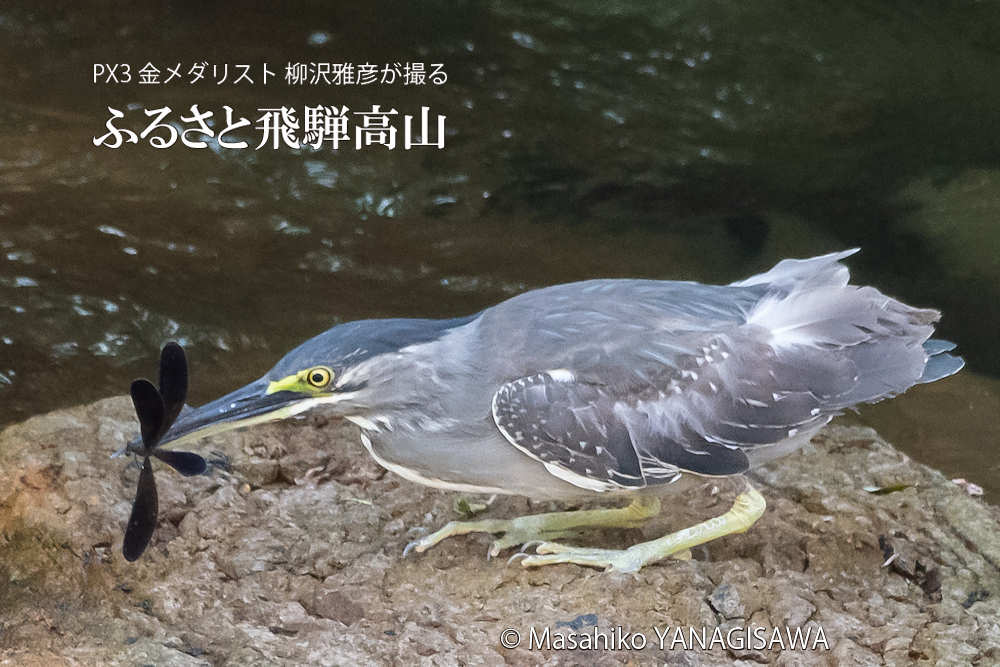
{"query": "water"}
(699, 141)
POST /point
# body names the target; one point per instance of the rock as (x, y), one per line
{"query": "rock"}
(726, 601)
(293, 555)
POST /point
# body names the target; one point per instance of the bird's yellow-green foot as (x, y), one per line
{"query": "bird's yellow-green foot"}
(543, 527)
(539, 530)
(748, 507)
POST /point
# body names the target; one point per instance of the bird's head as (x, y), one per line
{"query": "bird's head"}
(349, 370)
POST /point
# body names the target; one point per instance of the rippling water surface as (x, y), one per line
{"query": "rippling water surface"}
(696, 141)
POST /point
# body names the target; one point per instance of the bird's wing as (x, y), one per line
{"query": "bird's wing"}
(570, 427)
(576, 430)
(655, 378)
(699, 409)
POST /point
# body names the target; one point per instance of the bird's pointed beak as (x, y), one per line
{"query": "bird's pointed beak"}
(255, 403)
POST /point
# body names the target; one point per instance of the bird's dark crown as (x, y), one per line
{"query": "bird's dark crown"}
(354, 342)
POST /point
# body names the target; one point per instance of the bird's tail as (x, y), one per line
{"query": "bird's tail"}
(940, 365)
(816, 320)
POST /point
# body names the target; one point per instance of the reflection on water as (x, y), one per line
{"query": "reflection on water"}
(694, 142)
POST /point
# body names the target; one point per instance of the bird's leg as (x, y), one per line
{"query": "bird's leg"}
(748, 507)
(543, 527)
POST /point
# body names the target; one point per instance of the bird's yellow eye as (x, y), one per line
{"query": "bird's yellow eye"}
(319, 377)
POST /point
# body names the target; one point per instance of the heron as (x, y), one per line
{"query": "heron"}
(601, 389)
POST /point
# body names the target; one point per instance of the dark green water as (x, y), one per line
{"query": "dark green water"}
(685, 140)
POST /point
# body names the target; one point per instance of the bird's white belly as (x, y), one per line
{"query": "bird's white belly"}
(412, 475)
(465, 461)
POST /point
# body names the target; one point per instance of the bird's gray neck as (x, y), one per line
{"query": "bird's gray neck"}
(420, 387)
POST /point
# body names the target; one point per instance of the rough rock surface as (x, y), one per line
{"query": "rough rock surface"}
(294, 556)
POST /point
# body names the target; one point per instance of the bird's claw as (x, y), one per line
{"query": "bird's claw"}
(421, 545)
(519, 554)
